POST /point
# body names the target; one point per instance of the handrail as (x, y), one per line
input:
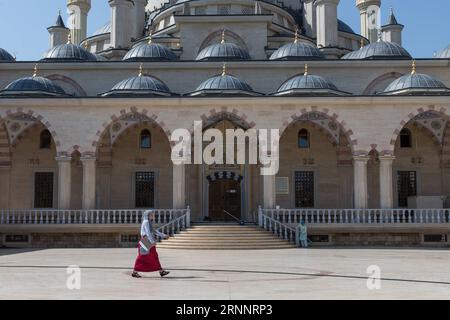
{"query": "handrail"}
(179, 224)
(278, 228)
(234, 217)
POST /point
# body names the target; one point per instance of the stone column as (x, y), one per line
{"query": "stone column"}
(360, 182)
(179, 186)
(386, 183)
(269, 192)
(89, 184)
(64, 181)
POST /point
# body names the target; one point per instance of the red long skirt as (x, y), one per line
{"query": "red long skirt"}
(148, 263)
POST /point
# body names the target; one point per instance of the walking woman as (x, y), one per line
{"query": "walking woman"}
(148, 260)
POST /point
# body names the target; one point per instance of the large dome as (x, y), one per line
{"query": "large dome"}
(379, 50)
(141, 85)
(5, 56)
(444, 53)
(223, 51)
(416, 84)
(224, 84)
(150, 52)
(69, 52)
(297, 51)
(307, 84)
(33, 86)
(102, 30)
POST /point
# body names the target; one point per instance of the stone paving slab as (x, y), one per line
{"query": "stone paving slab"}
(330, 273)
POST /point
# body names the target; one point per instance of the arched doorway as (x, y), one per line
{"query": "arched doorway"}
(225, 196)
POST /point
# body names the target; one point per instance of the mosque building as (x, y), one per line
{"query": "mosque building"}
(362, 124)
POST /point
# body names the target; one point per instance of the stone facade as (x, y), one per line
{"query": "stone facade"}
(354, 147)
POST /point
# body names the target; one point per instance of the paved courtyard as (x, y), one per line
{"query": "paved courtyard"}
(278, 274)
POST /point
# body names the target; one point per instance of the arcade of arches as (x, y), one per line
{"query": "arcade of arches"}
(132, 169)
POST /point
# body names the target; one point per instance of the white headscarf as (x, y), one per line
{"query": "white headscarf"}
(145, 227)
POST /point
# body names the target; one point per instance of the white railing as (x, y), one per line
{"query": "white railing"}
(360, 216)
(278, 228)
(179, 224)
(64, 217)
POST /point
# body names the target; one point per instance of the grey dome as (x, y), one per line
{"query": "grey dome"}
(223, 51)
(150, 52)
(308, 85)
(139, 85)
(379, 50)
(297, 51)
(104, 29)
(444, 53)
(342, 26)
(69, 52)
(224, 84)
(5, 56)
(34, 86)
(416, 83)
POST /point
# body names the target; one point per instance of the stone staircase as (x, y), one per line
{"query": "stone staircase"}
(225, 237)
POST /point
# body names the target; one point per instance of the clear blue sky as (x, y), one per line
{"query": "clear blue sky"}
(23, 23)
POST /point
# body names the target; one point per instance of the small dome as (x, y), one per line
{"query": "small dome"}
(34, 86)
(5, 56)
(379, 50)
(224, 84)
(223, 51)
(150, 52)
(104, 29)
(140, 85)
(416, 83)
(444, 53)
(343, 27)
(307, 84)
(297, 51)
(69, 52)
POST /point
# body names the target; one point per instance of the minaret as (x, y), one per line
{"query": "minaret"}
(78, 11)
(121, 20)
(138, 13)
(309, 18)
(369, 11)
(392, 31)
(327, 26)
(59, 33)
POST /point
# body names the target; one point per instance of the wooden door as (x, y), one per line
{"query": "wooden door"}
(224, 195)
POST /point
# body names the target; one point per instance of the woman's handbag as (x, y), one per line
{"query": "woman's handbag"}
(145, 246)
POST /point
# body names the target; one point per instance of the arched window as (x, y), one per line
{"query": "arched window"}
(45, 141)
(303, 139)
(405, 138)
(146, 139)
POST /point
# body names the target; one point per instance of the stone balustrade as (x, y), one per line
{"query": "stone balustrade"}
(360, 216)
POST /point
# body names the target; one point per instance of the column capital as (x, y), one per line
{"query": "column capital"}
(63, 158)
(361, 158)
(387, 158)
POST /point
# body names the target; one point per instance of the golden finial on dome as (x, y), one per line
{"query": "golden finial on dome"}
(362, 43)
(413, 71)
(69, 38)
(296, 36)
(306, 70)
(224, 70)
(35, 70)
(223, 36)
(150, 37)
(141, 71)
